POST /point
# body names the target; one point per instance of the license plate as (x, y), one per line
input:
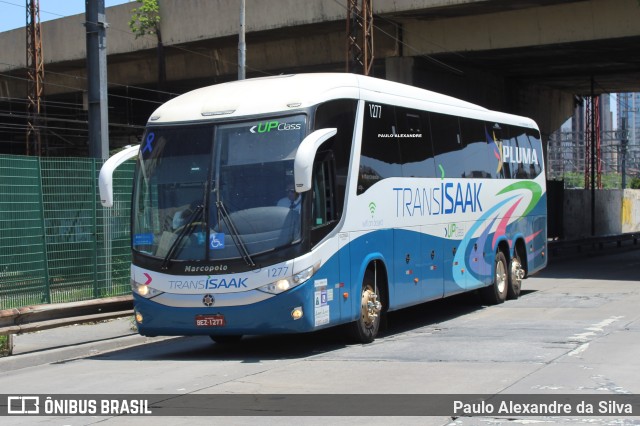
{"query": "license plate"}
(210, 321)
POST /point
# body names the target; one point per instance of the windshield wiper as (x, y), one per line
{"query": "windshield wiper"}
(234, 233)
(187, 229)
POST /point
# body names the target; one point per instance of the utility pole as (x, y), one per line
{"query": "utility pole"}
(624, 141)
(35, 80)
(242, 45)
(97, 78)
(592, 151)
(359, 36)
(593, 166)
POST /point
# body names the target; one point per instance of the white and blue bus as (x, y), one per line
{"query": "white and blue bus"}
(294, 203)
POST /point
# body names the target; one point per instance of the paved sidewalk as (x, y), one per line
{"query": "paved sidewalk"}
(61, 337)
(75, 341)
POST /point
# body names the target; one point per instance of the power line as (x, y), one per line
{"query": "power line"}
(23, 7)
(79, 89)
(67, 120)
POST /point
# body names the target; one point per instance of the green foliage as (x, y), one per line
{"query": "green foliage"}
(573, 180)
(635, 182)
(4, 345)
(609, 181)
(146, 18)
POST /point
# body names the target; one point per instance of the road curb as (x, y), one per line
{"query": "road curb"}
(73, 352)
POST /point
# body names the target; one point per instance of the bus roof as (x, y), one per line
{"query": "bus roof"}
(286, 93)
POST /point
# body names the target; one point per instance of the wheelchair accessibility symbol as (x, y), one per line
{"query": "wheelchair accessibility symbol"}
(216, 241)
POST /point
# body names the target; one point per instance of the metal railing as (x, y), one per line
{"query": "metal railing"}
(44, 317)
(592, 245)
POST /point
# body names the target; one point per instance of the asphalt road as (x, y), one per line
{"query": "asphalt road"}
(574, 330)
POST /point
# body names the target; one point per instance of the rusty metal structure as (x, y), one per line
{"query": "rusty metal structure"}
(35, 79)
(593, 155)
(359, 36)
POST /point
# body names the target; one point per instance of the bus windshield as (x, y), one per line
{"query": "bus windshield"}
(217, 191)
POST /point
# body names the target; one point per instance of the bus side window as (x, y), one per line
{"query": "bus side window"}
(380, 155)
(414, 143)
(478, 152)
(445, 135)
(323, 204)
(536, 146)
(522, 154)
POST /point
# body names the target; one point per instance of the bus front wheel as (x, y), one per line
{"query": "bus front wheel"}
(497, 292)
(366, 327)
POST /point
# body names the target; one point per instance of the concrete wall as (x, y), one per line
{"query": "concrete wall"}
(617, 212)
(188, 21)
(181, 22)
(561, 23)
(631, 210)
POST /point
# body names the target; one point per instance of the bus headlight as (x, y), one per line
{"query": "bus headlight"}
(285, 284)
(143, 290)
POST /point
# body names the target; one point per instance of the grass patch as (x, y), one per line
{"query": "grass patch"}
(4, 346)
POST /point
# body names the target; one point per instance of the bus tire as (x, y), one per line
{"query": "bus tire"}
(366, 327)
(226, 339)
(496, 293)
(516, 274)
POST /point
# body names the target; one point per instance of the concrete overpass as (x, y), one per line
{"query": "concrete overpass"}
(529, 57)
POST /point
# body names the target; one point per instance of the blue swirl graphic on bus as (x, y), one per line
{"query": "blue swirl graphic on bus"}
(459, 258)
(477, 267)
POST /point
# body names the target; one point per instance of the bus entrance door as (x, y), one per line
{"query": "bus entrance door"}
(453, 273)
(432, 257)
(407, 266)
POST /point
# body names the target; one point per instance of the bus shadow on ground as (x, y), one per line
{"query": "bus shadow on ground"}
(252, 349)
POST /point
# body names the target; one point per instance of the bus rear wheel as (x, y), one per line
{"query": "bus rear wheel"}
(366, 327)
(516, 274)
(497, 292)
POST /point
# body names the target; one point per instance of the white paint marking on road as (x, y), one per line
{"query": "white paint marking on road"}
(592, 331)
(579, 349)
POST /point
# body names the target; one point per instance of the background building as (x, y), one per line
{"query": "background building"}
(618, 125)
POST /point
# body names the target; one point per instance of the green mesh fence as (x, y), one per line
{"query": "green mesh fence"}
(114, 255)
(23, 271)
(57, 243)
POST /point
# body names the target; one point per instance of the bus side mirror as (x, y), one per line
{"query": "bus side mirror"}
(105, 179)
(303, 162)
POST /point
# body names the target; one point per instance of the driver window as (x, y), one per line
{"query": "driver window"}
(323, 207)
(324, 212)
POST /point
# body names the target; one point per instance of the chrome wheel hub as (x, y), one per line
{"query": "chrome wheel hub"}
(517, 273)
(501, 277)
(371, 307)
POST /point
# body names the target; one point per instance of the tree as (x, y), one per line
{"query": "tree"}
(146, 20)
